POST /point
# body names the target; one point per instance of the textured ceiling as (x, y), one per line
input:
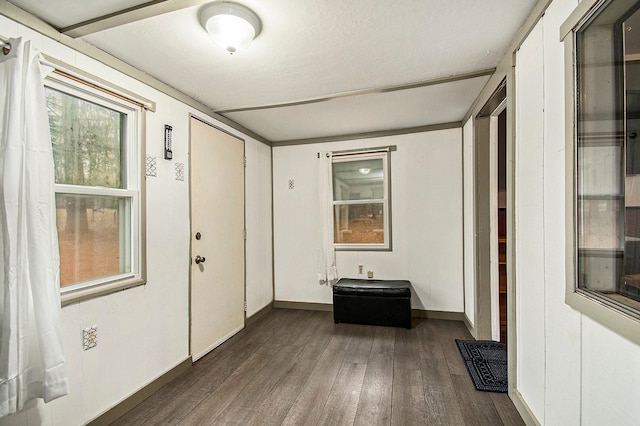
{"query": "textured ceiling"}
(316, 49)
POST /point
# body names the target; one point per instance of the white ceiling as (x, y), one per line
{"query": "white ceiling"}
(348, 56)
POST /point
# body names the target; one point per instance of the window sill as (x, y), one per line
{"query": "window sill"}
(606, 313)
(358, 247)
(70, 297)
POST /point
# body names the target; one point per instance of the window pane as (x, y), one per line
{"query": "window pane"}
(598, 221)
(600, 252)
(599, 270)
(87, 141)
(599, 168)
(93, 236)
(608, 190)
(358, 180)
(359, 223)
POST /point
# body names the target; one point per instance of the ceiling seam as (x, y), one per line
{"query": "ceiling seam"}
(369, 135)
(140, 12)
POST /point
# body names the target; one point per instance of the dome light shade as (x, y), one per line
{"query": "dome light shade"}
(231, 26)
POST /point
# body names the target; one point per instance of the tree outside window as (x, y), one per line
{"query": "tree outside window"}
(94, 198)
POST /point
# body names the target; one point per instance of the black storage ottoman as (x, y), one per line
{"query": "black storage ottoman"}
(372, 302)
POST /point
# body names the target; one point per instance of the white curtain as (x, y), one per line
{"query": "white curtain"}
(327, 271)
(32, 363)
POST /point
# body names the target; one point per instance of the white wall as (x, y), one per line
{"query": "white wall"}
(426, 179)
(143, 332)
(570, 369)
(529, 220)
(259, 261)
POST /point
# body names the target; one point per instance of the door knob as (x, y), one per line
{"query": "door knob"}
(200, 259)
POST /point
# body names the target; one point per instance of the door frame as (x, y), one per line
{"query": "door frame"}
(485, 140)
(482, 221)
(493, 218)
(191, 236)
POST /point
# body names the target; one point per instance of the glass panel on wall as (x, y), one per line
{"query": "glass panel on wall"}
(608, 154)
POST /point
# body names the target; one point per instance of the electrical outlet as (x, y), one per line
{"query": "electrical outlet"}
(369, 274)
(359, 269)
(90, 337)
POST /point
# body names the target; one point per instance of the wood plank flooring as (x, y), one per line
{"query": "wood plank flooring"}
(295, 367)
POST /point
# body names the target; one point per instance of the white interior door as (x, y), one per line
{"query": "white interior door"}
(217, 240)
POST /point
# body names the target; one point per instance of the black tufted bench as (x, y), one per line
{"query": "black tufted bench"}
(373, 302)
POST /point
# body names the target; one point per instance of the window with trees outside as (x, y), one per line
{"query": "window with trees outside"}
(96, 161)
(361, 201)
(607, 155)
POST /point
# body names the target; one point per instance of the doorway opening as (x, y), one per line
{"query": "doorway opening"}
(500, 132)
(491, 217)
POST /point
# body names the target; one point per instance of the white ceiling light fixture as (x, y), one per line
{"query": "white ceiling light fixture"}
(231, 26)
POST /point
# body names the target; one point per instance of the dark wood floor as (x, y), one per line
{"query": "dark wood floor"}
(297, 367)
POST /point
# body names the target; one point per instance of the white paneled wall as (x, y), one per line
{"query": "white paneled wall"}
(258, 221)
(529, 221)
(426, 179)
(562, 362)
(610, 375)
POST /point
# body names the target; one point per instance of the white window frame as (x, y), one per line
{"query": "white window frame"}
(133, 188)
(385, 155)
(603, 310)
